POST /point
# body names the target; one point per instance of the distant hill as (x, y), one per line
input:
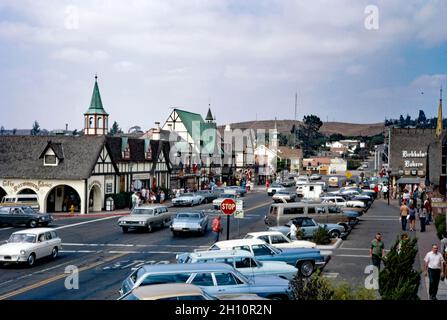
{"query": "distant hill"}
(328, 128)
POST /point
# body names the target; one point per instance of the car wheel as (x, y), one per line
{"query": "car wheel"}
(32, 224)
(31, 260)
(54, 253)
(125, 229)
(306, 268)
(174, 234)
(335, 234)
(149, 228)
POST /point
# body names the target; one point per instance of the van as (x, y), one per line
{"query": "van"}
(281, 213)
(30, 200)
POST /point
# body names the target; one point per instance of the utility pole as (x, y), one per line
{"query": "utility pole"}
(295, 123)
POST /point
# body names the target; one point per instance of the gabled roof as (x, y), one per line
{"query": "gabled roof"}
(80, 155)
(96, 103)
(57, 149)
(289, 153)
(190, 119)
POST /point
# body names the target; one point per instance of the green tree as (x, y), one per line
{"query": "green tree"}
(398, 280)
(14, 131)
(309, 134)
(75, 132)
(115, 129)
(36, 129)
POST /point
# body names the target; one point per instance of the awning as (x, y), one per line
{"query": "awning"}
(412, 180)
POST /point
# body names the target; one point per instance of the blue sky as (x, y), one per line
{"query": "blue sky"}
(245, 58)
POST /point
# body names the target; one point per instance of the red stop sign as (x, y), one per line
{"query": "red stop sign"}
(228, 206)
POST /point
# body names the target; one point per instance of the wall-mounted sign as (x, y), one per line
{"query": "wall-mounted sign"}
(413, 154)
(412, 164)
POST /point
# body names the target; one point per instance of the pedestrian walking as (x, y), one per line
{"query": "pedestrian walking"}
(162, 196)
(217, 228)
(422, 217)
(293, 230)
(412, 217)
(376, 190)
(434, 267)
(377, 250)
(385, 192)
(134, 200)
(404, 215)
(428, 206)
(444, 242)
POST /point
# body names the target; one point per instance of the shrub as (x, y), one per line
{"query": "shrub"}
(440, 225)
(317, 287)
(398, 280)
(321, 236)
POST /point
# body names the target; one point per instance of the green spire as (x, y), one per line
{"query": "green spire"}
(96, 103)
(209, 116)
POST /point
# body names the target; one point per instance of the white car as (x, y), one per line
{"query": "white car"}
(315, 177)
(278, 240)
(243, 261)
(29, 245)
(284, 196)
(341, 202)
(188, 199)
(275, 187)
(217, 202)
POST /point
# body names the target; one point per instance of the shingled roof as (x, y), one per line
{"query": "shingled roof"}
(20, 156)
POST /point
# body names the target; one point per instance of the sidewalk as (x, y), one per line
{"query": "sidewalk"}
(425, 241)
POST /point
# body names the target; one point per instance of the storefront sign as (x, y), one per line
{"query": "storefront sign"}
(413, 154)
(412, 164)
(28, 184)
(141, 176)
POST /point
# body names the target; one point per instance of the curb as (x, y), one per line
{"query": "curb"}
(88, 215)
(336, 245)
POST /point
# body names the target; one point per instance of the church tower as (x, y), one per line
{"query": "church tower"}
(96, 119)
(439, 127)
(273, 145)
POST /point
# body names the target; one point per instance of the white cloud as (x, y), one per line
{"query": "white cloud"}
(80, 55)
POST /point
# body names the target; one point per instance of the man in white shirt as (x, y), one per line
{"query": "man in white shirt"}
(434, 265)
(293, 230)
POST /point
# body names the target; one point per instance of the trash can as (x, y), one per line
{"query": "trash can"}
(110, 204)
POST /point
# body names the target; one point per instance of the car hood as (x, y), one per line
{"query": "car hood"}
(14, 248)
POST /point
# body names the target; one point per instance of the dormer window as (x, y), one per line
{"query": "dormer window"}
(50, 160)
(148, 155)
(126, 152)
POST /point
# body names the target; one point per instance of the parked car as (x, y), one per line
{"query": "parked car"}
(305, 260)
(23, 215)
(302, 180)
(190, 221)
(333, 182)
(284, 196)
(213, 278)
(26, 246)
(341, 202)
(309, 226)
(241, 260)
(146, 217)
(218, 201)
(289, 182)
(167, 292)
(275, 187)
(21, 200)
(279, 240)
(208, 195)
(240, 191)
(315, 177)
(188, 199)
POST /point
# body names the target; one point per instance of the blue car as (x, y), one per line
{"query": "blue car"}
(305, 260)
(214, 278)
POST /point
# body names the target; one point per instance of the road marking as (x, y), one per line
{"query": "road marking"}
(85, 222)
(5, 228)
(331, 275)
(362, 249)
(144, 252)
(55, 278)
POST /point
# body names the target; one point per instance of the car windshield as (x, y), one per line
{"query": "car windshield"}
(22, 238)
(28, 210)
(187, 195)
(188, 215)
(275, 250)
(228, 196)
(143, 211)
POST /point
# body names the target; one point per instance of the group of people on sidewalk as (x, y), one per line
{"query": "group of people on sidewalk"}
(147, 196)
(411, 210)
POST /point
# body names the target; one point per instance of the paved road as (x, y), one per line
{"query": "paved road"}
(105, 256)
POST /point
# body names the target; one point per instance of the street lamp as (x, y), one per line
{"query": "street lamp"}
(389, 188)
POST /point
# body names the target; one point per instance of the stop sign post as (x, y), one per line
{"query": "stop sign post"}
(228, 207)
